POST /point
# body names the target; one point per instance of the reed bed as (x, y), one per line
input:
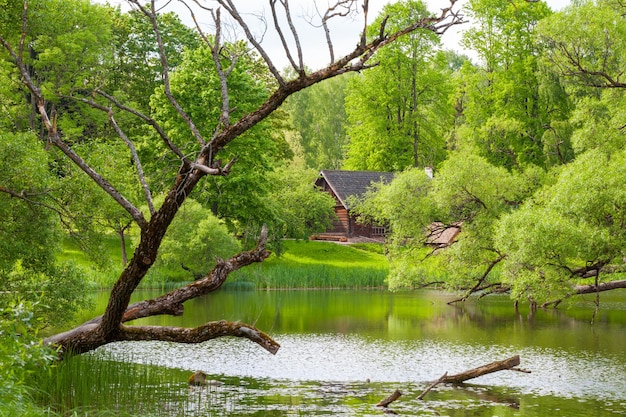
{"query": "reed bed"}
(290, 276)
(306, 264)
(97, 385)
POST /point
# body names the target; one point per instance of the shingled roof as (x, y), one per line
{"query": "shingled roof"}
(345, 184)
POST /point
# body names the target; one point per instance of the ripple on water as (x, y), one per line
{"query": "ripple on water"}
(352, 358)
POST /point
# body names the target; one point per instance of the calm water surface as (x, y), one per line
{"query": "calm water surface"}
(343, 351)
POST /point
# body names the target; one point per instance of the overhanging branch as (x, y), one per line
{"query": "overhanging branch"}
(207, 331)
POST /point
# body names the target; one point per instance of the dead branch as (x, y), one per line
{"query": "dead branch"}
(148, 120)
(232, 10)
(431, 386)
(496, 366)
(131, 147)
(151, 14)
(172, 304)
(482, 370)
(299, 67)
(385, 403)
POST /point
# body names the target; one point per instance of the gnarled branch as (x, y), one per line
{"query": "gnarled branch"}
(207, 331)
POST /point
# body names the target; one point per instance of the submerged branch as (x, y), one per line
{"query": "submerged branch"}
(507, 364)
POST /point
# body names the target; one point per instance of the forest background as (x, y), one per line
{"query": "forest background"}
(526, 140)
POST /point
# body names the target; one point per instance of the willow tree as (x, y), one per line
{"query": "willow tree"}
(204, 158)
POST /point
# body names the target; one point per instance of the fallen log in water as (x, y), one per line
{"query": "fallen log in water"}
(496, 366)
(385, 403)
(507, 364)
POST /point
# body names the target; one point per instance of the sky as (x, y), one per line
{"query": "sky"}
(345, 32)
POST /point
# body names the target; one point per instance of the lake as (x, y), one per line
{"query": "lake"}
(343, 351)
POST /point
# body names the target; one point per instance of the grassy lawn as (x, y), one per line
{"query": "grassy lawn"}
(306, 252)
(315, 264)
(301, 264)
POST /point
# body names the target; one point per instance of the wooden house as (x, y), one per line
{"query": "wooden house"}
(343, 185)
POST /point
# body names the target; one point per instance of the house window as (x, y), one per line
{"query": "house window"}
(379, 230)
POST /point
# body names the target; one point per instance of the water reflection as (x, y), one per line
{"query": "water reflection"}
(333, 342)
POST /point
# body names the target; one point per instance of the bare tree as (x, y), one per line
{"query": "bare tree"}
(110, 326)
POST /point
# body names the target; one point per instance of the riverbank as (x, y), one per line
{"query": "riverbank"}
(342, 351)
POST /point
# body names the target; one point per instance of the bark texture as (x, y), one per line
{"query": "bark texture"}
(194, 165)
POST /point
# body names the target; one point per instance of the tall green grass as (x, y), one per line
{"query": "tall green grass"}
(301, 264)
(307, 276)
(97, 385)
(311, 264)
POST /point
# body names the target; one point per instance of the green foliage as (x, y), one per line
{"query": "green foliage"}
(136, 70)
(30, 236)
(22, 360)
(239, 198)
(89, 226)
(195, 240)
(55, 293)
(398, 112)
(70, 40)
(29, 232)
(584, 47)
(401, 205)
(302, 210)
(576, 222)
(507, 107)
(598, 122)
(318, 115)
(466, 189)
(586, 42)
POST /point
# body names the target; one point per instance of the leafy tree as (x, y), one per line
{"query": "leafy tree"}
(505, 113)
(196, 240)
(196, 146)
(240, 198)
(136, 66)
(467, 191)
(30, 235)
(586, 42)
(588, 53)
(398, 111)
(318, 114)
(571, 231)
(405, 208)
(302, 209)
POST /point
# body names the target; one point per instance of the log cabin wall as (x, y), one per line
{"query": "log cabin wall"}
(342, 185)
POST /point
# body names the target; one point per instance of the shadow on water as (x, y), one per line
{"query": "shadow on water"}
(343, 351)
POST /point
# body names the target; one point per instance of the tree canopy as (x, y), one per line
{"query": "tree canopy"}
(162, 121)
(533, 171)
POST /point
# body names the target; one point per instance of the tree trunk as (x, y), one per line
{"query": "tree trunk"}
(89, 335)
(109, 327)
